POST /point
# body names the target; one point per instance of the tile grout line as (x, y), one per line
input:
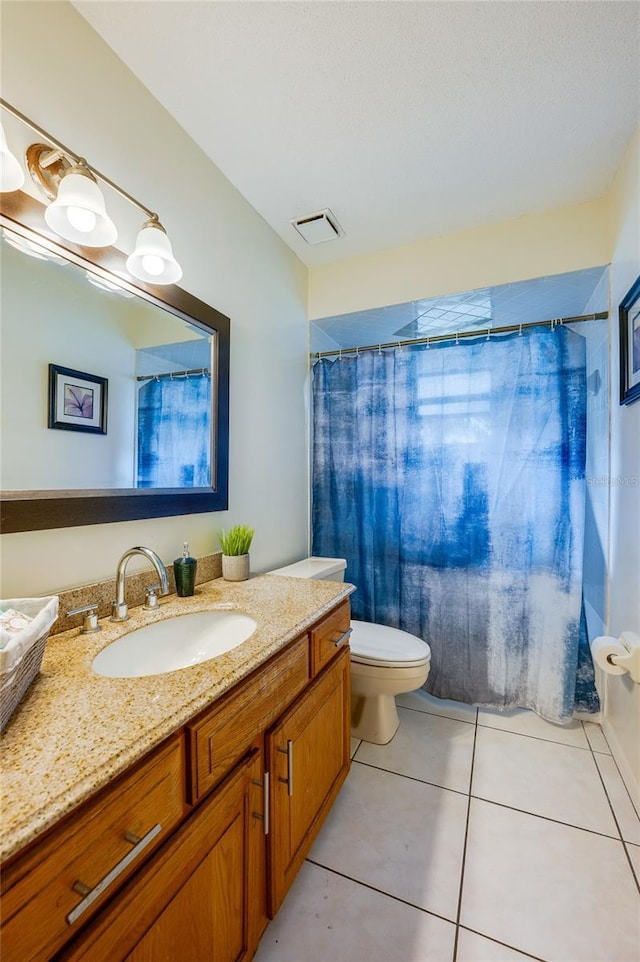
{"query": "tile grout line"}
(615, 818)
(629, 795)
(464, 847)
(636, 872)
(506, 945)
(546, 818)
(373, 888)
(509, 731)
(437, 714)
(492, 801)
(412, 778)
(539, 738)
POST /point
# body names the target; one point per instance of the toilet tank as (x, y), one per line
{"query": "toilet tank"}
(321, 569)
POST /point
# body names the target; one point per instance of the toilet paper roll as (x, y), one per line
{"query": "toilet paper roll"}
(602, 648)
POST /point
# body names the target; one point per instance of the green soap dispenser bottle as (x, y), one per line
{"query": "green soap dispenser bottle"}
(184, 569)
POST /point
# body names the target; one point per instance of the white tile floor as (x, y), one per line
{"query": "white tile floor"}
(473, 836)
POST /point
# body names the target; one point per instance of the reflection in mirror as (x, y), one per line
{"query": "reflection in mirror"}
(158, 371)
(173, 424)
(163, 357)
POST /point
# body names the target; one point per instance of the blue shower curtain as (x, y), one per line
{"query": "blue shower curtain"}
(451, 478)
(174, 444)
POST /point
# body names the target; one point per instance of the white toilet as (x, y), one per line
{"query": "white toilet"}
(385, 662)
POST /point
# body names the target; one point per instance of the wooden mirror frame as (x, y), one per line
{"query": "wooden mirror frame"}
(39, 510)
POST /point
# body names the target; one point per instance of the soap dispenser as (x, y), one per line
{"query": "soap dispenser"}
(184, 569)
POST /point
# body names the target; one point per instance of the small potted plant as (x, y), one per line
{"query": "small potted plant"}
(235, 545)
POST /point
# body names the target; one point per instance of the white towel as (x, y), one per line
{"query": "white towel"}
(11, 622)
(42, 612)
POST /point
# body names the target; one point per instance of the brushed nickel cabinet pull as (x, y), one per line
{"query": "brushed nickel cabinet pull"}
(90, 895)
(288, 751)
(264, 815)
(343, 637)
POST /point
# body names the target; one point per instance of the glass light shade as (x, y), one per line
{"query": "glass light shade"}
(11, 173)
(152, 260)
(79, 214)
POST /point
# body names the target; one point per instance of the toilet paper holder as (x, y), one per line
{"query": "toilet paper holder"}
(629, 658)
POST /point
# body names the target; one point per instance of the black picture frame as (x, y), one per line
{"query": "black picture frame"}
(629, 320)
(77, 400)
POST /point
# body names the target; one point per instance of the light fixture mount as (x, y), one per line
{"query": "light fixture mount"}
(154, 221)
(47, 166)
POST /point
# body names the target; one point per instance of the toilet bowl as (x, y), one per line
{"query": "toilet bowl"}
(385, 662)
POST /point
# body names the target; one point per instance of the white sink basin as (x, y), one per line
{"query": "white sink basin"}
(173, 643)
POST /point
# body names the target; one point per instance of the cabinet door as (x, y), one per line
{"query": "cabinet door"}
(193, 901)
(308, 759)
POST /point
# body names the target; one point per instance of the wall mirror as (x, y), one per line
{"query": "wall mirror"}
(114, 394)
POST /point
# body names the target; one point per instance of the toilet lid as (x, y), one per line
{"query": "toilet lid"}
(380, 645)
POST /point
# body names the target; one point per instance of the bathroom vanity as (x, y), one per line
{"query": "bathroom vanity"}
(184, 846)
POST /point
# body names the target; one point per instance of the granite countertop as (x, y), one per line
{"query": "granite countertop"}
(75, 730)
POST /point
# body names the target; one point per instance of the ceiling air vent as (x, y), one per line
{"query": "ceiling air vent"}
(319, 227)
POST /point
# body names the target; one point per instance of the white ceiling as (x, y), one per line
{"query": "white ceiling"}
(407, 119)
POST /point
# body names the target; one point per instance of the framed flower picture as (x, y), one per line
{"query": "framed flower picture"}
(629, 315)
(77, 401)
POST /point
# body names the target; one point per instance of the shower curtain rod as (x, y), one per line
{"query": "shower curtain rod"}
(172, 374)
(482, 332)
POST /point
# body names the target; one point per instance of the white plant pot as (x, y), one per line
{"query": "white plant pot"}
(235, 567)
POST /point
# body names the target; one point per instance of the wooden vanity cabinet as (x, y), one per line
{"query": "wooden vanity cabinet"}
(308, 759)
(49, 893)
(260, 769)
(329, 635)
(202, 897)
(222, 734)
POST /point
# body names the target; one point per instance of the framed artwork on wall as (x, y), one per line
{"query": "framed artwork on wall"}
(77, 400)
(629, 315)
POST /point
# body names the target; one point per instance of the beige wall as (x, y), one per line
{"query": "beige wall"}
(57, 71)
(622, 696)
(566, 239)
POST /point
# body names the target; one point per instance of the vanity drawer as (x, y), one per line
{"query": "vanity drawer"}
(329, 637)
(226, 731)
(106, 840)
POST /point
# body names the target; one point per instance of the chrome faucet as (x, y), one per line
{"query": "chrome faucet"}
(119, 608)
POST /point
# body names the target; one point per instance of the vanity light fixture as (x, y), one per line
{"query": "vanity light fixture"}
(11, 173)
(79, 213)
(152, 260)
(77, 210)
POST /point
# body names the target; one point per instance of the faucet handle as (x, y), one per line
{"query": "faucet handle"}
(151, 598)
(90, 620)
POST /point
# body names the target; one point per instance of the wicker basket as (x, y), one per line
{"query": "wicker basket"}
(19, 666)
(15, 684)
